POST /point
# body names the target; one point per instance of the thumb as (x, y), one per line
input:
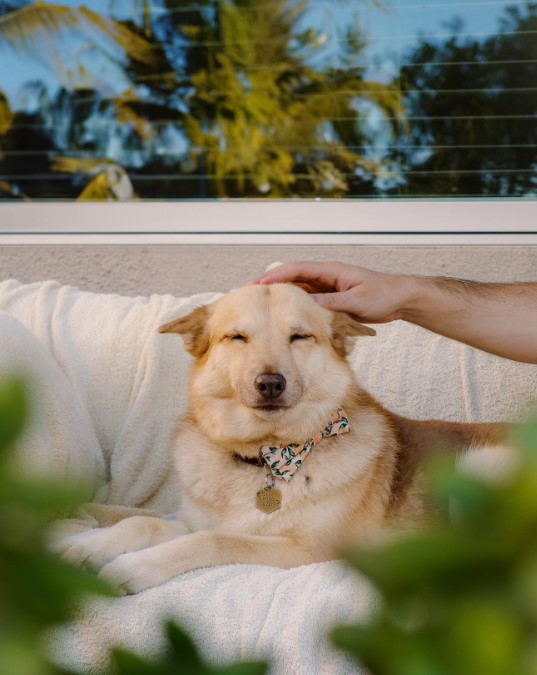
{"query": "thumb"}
(337, 302)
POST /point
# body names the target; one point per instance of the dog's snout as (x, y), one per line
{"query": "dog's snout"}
(270, 385)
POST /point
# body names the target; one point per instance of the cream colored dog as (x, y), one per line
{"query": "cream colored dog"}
(282, 458)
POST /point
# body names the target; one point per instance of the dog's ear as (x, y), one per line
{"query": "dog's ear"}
(193, 329)
(344, 328)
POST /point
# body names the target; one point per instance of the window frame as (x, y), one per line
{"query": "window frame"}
(239, 222)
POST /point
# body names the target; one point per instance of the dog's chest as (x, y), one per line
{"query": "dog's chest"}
(233, 503)
(221, 495)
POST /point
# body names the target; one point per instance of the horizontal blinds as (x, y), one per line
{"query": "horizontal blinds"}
(179, 100)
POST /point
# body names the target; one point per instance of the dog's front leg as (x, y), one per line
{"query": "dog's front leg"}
(95, 548)
(134, 572)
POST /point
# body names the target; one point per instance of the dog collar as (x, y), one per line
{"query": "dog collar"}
(284, 462)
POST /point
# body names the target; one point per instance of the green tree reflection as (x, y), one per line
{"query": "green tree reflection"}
(228, 105)
(472, 107)
(225, 98)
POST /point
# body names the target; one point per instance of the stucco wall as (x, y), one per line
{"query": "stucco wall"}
(182, 270)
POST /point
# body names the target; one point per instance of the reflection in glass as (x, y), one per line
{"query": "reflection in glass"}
(172, 99)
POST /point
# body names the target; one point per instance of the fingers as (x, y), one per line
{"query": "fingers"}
(318, 276)
(339, 302)
(368, 295)
(313, 286)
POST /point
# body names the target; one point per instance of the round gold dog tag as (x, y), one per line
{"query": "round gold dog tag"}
(268, 499)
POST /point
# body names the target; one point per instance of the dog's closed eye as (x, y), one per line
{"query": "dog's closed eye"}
(238, 336)
(299, 336)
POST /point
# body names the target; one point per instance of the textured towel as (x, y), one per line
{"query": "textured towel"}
(109, 392)
(233, 612)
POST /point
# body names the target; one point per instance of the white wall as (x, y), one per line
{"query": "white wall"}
(186, 269)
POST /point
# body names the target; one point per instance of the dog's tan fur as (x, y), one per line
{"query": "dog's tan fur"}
(351, 487)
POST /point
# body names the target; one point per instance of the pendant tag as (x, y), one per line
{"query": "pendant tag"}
(269, 498)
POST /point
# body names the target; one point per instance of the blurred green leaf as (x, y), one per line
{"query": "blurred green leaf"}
(183, 651)
(420, 563)
(16, 658)
(387, 649)
(524, 437)
(127, 663)
(484, 636)
(459, 597)
(13, 410)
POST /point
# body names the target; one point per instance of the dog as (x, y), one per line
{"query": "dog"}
(282, 458)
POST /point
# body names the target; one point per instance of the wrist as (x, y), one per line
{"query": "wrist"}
(413, 297)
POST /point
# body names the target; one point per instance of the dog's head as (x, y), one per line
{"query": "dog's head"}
(268, 358)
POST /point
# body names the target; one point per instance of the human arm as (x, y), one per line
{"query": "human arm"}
(497, 318)
(500, 318)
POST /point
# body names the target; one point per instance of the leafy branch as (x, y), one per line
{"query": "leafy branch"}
(459, 598)
(38, 590)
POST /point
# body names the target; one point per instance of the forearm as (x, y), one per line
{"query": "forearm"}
(497, 318)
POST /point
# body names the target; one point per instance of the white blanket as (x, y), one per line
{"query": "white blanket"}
(109, 392)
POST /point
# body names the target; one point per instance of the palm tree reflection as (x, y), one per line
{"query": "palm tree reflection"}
(253, 98)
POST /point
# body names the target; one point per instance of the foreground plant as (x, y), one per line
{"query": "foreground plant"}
(459, 598)
(38, 590)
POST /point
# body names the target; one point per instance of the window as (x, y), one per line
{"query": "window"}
(268, 99)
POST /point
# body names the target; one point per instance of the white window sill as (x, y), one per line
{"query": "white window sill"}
(395, 222)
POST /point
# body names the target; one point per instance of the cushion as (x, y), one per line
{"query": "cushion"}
(130, 379)
(59, 436)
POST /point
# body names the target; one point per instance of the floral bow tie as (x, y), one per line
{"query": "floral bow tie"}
(284, 462)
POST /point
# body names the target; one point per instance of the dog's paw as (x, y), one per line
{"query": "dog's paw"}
(91, 549)
(131, 573)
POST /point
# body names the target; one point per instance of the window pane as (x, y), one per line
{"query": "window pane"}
(172, 99)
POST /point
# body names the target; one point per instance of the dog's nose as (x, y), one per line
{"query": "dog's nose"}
(270, 385)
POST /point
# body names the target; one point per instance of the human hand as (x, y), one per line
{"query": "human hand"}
(368, 295)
